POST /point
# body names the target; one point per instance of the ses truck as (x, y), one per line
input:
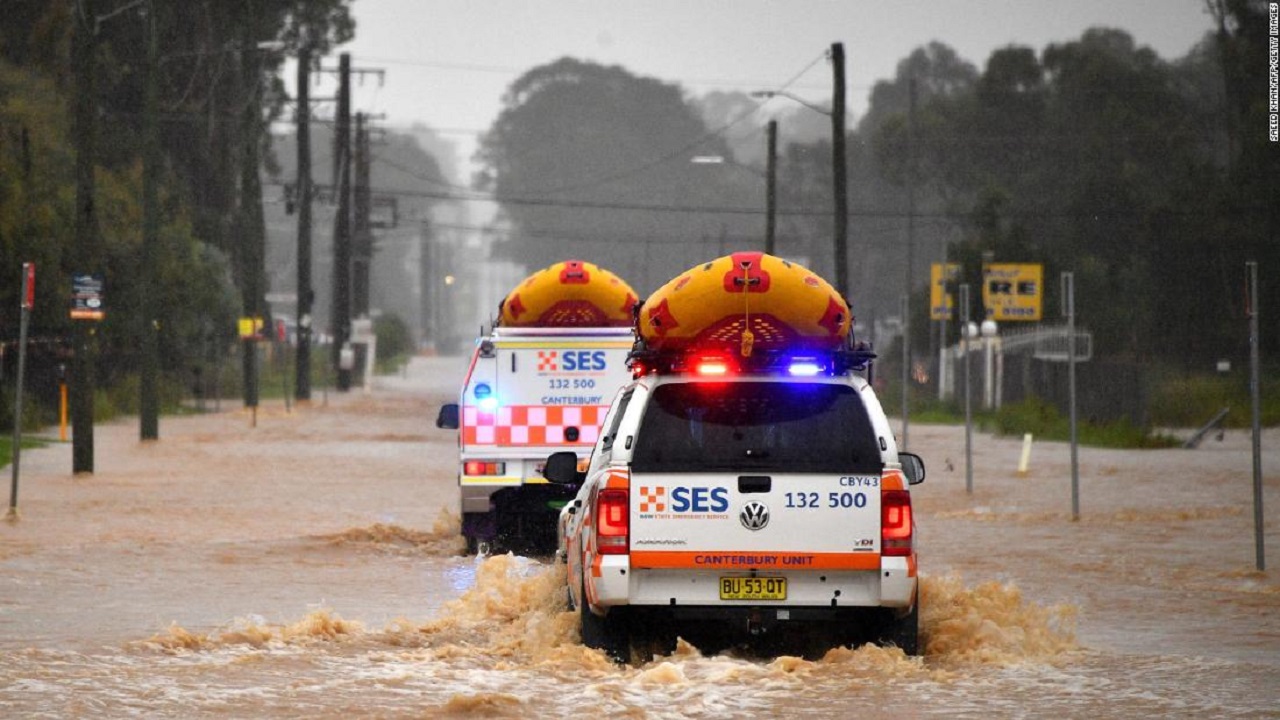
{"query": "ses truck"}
(747, 488)
(539, 382)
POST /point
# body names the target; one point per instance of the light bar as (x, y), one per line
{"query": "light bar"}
(715, 367)
(804, 368)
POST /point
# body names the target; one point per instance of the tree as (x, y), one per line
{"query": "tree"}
(577, 153)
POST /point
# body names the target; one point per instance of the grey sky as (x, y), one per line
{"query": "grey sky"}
(448, 62)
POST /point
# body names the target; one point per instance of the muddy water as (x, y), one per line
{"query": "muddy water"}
(309, 567)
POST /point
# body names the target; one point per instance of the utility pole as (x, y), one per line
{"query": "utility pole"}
(148, 402)
(426, 285)
(911, 241)
(342, 237)
(252, 229)
(362, 240)
(341, 313)
(302, 377)
(771, 191)
(839, 171)
(362, 237)
(88, 253)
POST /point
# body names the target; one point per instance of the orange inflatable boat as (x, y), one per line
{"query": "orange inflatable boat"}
(745, 302)
(572, 293)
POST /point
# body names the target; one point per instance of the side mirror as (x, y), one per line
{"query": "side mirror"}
(912, 467)
(562, 468)
(448, 417)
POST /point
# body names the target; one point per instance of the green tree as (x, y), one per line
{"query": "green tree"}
(580, 148)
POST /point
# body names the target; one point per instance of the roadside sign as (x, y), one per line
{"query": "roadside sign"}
(250, 328)
(1013, 291)
(942, 305)
(87, 297)
(362, 331)
(28, 285)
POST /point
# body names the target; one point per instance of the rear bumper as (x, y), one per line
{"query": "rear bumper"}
(892, 586)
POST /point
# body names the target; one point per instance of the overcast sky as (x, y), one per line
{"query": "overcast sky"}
(448, 62)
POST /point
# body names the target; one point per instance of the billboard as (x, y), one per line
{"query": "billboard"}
(1013, 291)
(942, 304)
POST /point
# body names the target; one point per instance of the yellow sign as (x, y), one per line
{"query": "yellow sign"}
(942, 305)
(250, 328)
(1013, 291)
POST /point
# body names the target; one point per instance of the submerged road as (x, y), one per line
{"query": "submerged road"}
(310, 567)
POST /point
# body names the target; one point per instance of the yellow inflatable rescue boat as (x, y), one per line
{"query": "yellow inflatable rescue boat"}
(744, 302)
(572, 293)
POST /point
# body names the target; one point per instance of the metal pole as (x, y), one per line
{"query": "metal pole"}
(906, 369)
(968, 406)
(1256, 395)
(771, 191)
(1069, 307)
(28, 290)
(839, 172)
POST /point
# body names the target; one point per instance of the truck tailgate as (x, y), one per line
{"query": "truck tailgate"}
(740, 522)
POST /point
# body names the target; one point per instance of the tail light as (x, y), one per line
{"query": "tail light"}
(612, 522)
(483, 467)
(896, 524)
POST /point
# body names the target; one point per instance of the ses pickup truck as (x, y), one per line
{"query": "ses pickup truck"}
(737, 499)
(539, 381)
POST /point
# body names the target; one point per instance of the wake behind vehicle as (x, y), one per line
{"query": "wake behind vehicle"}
(747, 487)
(539, 381)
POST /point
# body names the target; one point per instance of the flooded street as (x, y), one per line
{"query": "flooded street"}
(310, 567)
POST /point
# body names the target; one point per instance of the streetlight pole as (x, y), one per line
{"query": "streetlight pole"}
(839, 163)
(839, 171)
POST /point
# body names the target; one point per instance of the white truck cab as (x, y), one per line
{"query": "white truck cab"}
(736, 500)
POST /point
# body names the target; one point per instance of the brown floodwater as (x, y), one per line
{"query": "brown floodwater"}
(308, 565)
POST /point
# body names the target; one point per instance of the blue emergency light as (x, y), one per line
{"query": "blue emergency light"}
(485, 397)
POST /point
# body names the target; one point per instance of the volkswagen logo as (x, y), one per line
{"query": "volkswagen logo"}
(754, 516)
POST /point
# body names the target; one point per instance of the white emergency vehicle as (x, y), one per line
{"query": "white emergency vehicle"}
(754, 497)
(529, 392)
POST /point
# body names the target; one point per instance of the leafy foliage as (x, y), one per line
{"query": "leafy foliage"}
(209, 90)
(613, 143)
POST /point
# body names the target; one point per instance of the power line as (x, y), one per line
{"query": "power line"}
(681, 152)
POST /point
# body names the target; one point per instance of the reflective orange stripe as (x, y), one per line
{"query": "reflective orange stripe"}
(747, 559)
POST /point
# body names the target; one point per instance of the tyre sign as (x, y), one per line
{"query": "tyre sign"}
(86, 297)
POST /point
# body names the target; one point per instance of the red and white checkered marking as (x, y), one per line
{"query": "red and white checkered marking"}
(532, 424)
(548, 360)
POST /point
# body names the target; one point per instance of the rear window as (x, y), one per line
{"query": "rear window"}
(757, 426)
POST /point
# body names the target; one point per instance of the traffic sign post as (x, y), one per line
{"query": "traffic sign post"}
(1069, 310)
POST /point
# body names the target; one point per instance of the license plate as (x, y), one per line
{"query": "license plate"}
(753, 588)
